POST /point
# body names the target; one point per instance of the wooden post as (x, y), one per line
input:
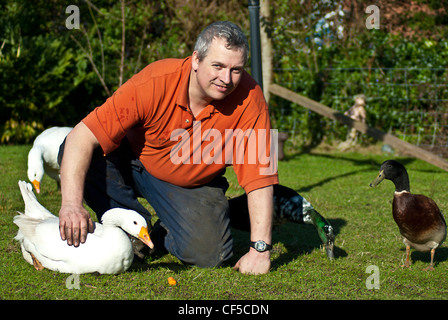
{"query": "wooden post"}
(360, 126)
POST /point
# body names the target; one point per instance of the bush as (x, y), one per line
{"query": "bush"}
(403, 78)
(50, 75)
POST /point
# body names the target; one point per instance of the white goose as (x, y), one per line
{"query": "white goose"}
(43, 156)
(107, 250)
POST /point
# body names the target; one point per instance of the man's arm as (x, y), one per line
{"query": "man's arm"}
(261, 209)
(74, 220)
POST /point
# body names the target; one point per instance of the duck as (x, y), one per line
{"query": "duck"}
(43, 156)
(108, 250)
(289, 206)
(419, 219)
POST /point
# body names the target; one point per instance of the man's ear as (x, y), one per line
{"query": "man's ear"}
(195, 61)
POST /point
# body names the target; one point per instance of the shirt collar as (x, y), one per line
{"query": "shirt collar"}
(182, 97)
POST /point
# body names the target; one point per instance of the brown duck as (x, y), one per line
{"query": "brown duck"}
(418, 217)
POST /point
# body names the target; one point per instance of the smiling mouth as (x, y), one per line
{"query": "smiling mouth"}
(222, 88)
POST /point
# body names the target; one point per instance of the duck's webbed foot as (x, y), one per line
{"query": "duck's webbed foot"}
(431, 266)
(36, 263)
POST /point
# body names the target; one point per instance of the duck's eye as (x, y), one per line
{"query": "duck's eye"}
(135, 222)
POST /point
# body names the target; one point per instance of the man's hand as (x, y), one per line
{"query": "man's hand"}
(254, 262)
(74, 219)
(261, 211)
(74, 224)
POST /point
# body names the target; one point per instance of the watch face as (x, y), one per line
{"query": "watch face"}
(260, 246)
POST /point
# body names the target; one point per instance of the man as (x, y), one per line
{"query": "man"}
(167, 134)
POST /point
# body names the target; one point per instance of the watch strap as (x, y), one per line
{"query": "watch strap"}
(253, 244)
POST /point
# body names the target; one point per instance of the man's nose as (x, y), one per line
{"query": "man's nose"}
(226, 76)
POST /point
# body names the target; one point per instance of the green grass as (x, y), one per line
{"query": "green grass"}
(337, 186)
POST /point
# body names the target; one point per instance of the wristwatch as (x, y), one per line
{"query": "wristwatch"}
(260, 246)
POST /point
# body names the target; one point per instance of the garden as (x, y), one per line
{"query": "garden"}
(53, 76)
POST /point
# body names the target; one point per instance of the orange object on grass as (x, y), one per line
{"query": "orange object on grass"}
(171, 281)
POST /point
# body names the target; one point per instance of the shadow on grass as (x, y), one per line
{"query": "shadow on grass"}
(302, 239)
(297, 239)
(440, 256)
(308, 188)
(374, 164)
(157, 261)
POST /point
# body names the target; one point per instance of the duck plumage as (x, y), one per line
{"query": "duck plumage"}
(419, 219)
(43, 155)
(108, 250)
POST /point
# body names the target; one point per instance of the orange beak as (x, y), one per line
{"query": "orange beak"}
(36, 185)
(144, 237)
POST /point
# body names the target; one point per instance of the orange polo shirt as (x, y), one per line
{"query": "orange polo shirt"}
(151, 110)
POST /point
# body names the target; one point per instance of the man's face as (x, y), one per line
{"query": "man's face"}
(219, 73)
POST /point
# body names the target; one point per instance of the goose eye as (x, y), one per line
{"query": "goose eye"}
(135, 222)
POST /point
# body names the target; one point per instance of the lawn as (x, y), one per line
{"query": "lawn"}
(337, 184)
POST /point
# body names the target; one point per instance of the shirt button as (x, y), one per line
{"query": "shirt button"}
(187, 121)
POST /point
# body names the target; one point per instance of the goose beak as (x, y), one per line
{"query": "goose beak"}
(36, 185)
(144, 237)
(378, 179)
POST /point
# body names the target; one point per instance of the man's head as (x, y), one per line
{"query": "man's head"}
(232, 35)
(218, 60)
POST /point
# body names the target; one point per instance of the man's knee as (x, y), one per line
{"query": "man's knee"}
(196, 219)
(209, 243)
(205, 252)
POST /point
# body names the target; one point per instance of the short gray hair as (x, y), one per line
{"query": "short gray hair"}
(226, 30)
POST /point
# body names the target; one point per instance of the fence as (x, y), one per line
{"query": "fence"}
(411, 103)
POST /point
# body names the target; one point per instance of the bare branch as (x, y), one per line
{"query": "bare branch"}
(103, 65)
(123, 37)
(89, 55)
(99, 11)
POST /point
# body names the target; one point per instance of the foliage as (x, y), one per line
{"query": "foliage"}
(330, 56)
(51, 75)
(33, 71)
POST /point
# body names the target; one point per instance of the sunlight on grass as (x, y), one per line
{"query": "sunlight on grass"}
(337, 184)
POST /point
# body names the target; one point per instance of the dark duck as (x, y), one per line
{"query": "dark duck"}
(418, 217)
(289, 206)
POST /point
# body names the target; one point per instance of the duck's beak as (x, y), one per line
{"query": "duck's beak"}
(378, 179)
(144, 237)
(36, 185)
